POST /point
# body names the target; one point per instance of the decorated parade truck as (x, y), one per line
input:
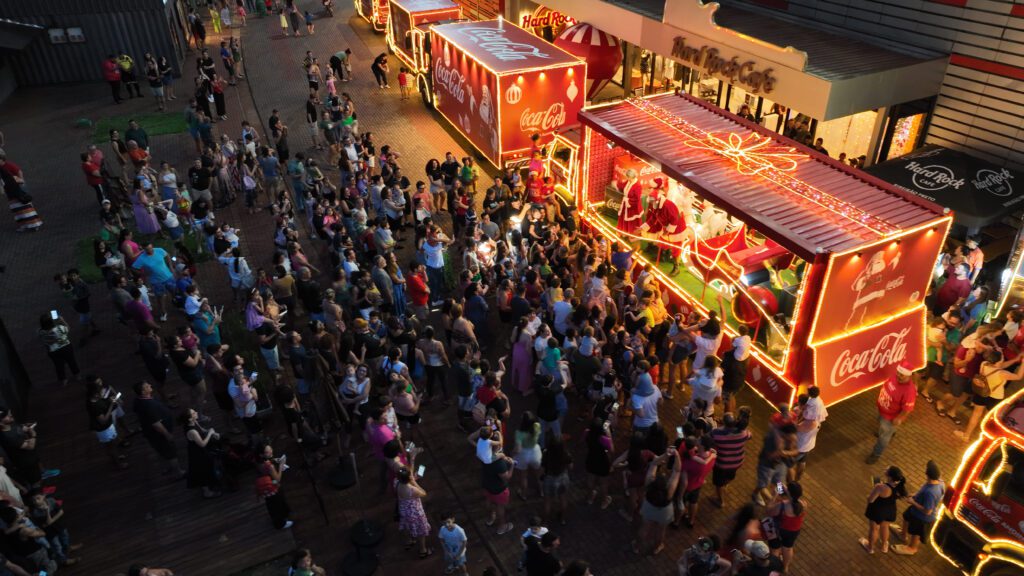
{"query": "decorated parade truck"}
(980, 528)
(501, 86)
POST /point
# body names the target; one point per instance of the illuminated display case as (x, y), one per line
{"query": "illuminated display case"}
(499, 85)
(827, 267)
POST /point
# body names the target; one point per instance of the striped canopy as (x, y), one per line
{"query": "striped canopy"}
(601, 51)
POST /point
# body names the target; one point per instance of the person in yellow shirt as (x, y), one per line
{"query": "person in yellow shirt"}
(128, 78)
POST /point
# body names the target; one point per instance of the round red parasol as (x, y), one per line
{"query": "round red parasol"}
(601, 51)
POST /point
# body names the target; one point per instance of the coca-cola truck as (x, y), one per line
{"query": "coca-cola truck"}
(408, 34)
(499, 85)
(980, 528)
(375, 12)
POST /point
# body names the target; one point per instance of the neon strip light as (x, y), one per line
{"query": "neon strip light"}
(825, 285)
(770, 162)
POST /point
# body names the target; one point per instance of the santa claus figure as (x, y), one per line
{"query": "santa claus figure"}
(667, 226)
(631, 211)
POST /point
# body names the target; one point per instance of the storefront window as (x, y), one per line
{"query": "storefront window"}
(905, 136)
(651, 74)
(850, 135)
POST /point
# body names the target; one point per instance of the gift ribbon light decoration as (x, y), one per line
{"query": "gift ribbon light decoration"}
(752, 155)
(756, 156)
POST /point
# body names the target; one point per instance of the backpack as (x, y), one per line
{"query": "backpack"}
(980, 384)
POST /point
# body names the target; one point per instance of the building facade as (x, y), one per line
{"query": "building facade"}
(873, 79)
(77, 35)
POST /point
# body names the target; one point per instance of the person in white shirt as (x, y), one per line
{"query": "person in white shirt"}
(734, 367)
(562, 310)
(645, 400)
(810, 414)
(707, 385)
(706, 345)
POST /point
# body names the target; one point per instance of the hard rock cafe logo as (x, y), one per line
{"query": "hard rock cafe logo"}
(495, 43)
(542, 120)
(890, 349)
(933, 177)
(453, 81)
(711, 61)
(996, 182)
(544, 17)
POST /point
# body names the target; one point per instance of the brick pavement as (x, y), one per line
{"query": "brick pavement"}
(835, 484)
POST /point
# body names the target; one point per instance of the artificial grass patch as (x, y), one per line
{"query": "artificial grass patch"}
(154, 123)
(92, 274)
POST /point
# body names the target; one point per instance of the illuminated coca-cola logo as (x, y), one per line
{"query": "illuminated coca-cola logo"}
(542, 120)
(495, 43)
(453, 81)
(888, 350)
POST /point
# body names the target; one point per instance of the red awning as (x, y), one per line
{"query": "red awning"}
(802, 199)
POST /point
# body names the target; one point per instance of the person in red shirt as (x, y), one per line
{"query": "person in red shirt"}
(93, 177)
(955, 289)
(698, 460)
(895, 403)
(419, 292)
(966, 362)
(112, 74)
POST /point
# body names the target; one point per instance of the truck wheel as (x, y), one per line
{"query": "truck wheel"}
(428, 100)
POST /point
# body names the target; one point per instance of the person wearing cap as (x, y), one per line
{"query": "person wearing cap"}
(922, 512)
(895, 402)
(757, 561)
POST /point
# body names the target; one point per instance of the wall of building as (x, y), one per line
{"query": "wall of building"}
(138, 26)
(980, 108)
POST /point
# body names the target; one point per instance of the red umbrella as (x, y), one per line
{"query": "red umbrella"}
(600, 49)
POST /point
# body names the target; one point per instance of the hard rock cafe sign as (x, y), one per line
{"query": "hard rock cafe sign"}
(710, 60)
(544, 17)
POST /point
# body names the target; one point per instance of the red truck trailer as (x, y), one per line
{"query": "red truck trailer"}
(375, 12)
(409, 29)
(499, 85)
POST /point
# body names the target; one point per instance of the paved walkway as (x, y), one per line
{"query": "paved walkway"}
(40, 139)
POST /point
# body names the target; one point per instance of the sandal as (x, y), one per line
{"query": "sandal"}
(865, 545)
(606, 502)
(429, 552)
(657, 550)
(490, 522)
(505, 529)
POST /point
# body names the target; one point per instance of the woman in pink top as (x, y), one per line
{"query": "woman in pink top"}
(698, 460)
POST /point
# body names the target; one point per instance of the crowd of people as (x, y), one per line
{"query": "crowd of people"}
(381, 297)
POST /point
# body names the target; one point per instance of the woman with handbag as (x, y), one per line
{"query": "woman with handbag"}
(656, 508)
(989, 386)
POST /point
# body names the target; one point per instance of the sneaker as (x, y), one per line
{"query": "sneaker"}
(287, 525)
(51, 473)
(872, 458)
(960, 434)
(759, 500)
(885, 547)
(505, 529)
(163, 317)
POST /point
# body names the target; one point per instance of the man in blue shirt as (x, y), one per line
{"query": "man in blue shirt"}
(271, 172)
(922, 513)
(156, 268)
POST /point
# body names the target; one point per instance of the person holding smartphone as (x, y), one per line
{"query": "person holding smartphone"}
(102, 419)
(411, 517)
(55, 334)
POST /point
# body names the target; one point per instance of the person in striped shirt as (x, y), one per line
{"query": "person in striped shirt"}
(730, 441)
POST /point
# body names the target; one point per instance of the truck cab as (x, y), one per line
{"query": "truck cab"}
(980, 528)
